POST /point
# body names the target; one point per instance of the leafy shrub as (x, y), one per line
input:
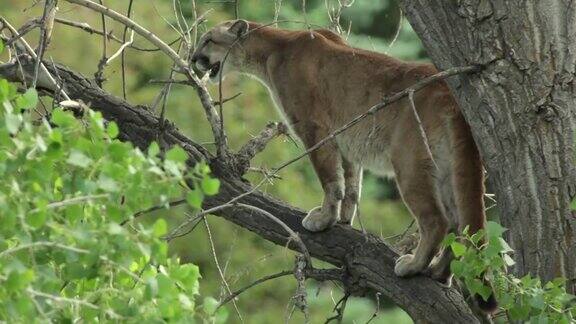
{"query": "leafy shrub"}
(521, 299)
(66, 185)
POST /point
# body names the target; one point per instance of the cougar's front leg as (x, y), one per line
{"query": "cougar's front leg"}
(327, 164)
(353, 183)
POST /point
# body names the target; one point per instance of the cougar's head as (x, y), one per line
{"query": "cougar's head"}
(218, 51)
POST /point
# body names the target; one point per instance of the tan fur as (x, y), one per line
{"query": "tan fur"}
(319, 84)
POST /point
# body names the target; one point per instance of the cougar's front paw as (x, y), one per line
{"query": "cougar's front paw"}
(406, 267)
(317, 221)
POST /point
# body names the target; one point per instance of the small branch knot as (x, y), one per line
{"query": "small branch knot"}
(257, 144)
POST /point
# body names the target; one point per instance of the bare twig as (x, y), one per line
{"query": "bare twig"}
(233, 203)
(421, 127)
(41, 244)
(235, 294)
(339, 308)
(71, 201)
(293, 234)
(155, 208)
(398, 30)
(216, 103)
(25, 29)
(99, 75)
(183, 82)
(376, 310)
(121, 49)
(123, 55)
(148, 35)
(46, 27)
(277, 9)
(62, 299)
(401, 235)
(219, 268)
(87, 28)
(334, 14)
(164, 94)
(300, 296)
(305, 14)
(265, 172)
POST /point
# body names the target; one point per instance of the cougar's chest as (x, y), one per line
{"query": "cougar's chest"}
(367, 146)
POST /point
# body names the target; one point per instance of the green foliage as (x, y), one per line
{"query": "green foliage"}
(65, 187)
(522, 299)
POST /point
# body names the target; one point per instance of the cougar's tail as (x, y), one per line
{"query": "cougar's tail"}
(468, 183)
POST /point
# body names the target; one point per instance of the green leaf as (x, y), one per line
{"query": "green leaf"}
(166, 286)
(37, 219)
(13, 123)
(18, 280)
(210, 186)
(494, 229)
(505, 247)
(62, 118)
(27, 100)
(187, 276)
(457, 267)
(538, 302)
(477, 237)
(112, 130)
(160, 227)
(78, 159)
(484, 291)
(451, 237)
(195, 198)
(107, 184)
(7, 90)
(153, 149)
(458, 248)
(209, 305)
(177, 154)
(508, 260)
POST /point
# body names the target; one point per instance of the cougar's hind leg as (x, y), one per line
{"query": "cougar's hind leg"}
(439, 269)
(416, 184)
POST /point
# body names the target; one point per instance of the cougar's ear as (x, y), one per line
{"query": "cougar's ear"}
(239, 28)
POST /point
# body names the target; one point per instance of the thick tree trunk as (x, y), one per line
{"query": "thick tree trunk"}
(521, 108)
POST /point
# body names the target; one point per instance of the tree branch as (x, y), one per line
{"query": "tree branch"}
(367, 262)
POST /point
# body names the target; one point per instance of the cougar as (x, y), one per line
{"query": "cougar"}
(318, 84)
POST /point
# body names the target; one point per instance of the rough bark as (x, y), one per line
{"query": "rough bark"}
(367, 262)
(521, 109)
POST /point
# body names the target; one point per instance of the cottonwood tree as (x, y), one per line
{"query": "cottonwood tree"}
(510, 65)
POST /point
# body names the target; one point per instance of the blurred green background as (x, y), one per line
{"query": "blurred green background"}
(243, 256)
